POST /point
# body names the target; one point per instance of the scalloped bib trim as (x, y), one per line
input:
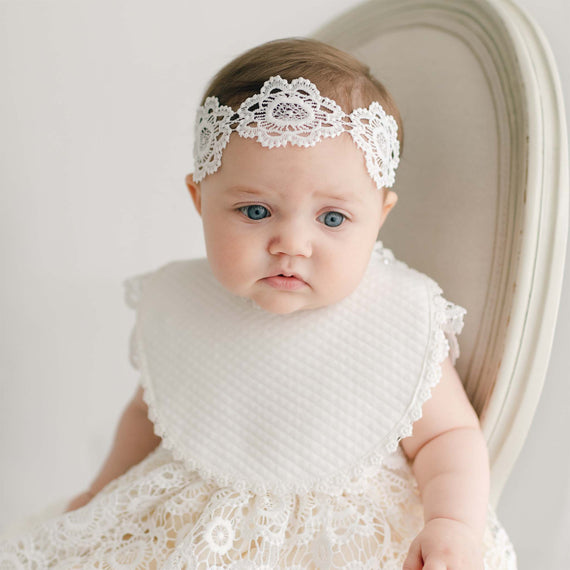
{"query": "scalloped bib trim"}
(308, 401)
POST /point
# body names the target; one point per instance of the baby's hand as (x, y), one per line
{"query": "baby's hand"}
(445, 544)
(79, 501)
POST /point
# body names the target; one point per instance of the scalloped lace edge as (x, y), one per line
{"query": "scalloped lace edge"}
(447, 315)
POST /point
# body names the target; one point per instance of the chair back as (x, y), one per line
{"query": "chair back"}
(482, 186)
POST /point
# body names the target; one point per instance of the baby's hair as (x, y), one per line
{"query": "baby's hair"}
(337, 74)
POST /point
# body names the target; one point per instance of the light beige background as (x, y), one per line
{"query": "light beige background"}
(97, 102)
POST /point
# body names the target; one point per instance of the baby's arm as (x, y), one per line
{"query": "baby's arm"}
(451, 465)
(134, 440)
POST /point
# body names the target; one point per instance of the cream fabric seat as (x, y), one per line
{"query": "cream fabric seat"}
(482, 186)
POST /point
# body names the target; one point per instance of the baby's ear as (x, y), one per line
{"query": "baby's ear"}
(194, 192)
(389, 202)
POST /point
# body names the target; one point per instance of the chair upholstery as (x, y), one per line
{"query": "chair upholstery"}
(482, 186)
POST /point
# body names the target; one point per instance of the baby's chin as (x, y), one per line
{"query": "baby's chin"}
(282, 302)
(278, 308)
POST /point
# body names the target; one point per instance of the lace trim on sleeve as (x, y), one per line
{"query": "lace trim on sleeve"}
(133, 290)
(452, 326)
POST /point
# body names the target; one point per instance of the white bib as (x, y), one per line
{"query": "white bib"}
(306, 401)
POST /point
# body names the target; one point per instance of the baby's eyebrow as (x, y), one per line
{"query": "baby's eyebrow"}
(328, 196)
(242, 190)
(339, 197)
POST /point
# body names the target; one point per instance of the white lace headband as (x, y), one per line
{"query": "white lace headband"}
(295, 113)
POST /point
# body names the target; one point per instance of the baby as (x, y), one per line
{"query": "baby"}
(299, 405)
(293, 228)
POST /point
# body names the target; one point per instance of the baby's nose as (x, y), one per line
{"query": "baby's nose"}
(290, 237)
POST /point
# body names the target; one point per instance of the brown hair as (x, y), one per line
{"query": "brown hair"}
(337, 74)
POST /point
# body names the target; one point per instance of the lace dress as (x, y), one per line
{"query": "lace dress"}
(184, 507)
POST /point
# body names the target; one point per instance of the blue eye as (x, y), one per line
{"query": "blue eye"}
(254, 212)
(334, 219)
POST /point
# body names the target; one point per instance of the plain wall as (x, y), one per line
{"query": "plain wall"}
(96, 113)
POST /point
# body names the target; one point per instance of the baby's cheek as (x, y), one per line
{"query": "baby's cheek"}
(353, 267)
(352, 278)
(229, 266)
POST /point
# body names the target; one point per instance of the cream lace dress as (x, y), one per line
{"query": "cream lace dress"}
(259, 472)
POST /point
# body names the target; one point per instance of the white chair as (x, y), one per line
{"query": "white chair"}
(482, 186)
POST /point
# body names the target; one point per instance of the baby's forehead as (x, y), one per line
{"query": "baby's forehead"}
(334, 166)
(342, 195)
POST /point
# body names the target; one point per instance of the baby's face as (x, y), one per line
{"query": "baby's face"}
(312, 212)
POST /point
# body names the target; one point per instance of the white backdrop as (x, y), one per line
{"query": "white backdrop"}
(97, 102)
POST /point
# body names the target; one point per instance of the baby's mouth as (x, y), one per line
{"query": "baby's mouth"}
(284, 281)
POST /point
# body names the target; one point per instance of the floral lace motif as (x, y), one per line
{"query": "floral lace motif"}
(295, 113)
(160, 516)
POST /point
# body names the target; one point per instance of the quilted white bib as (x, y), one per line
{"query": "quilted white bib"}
(307, 401)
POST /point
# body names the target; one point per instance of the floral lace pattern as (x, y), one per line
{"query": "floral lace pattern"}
(160, 516)
(295, 113)
(375, 133)
(289, 113)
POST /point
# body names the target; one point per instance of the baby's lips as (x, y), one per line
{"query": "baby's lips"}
(287, 274)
